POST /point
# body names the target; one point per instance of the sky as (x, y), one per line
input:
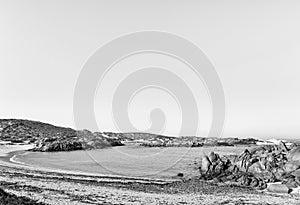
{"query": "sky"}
(253, 45)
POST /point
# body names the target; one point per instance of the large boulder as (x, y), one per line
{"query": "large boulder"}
(296, 173)
(233, 169)
(245, 160)
(258, 150)
(220, 167)
(291, 166)
(294, 154)
(278, 188)
(256, 167)
(213, 157)
(283, 146)
(205, 164)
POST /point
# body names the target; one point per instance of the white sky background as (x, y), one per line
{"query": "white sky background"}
(254, 46)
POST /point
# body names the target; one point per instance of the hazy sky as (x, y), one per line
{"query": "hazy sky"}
(254, 46)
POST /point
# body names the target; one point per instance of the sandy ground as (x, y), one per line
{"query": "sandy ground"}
(63, 188)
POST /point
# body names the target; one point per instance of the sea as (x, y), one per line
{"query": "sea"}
(128, 161)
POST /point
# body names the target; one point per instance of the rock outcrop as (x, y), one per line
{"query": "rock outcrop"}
(81, 140)
(256, 168)
(57, 146)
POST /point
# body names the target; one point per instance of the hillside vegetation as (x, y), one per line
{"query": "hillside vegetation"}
(50, 138)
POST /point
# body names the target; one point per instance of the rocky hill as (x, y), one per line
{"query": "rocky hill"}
(50, 138)
(16, 130)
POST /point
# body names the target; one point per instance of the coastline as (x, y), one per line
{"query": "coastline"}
(52, 187)
(9, 161)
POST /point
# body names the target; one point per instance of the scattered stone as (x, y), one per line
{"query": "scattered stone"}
(278, 188)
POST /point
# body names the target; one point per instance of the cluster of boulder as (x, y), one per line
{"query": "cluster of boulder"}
(57, 145)
(81, 140)
(259, 167)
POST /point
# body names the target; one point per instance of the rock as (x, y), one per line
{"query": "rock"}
(245, 160)
(256, 168)
(247, 180)
(291, 183)
(57, 146)
(219, 168)
(213, 157)
(261, 184)
(205, 164)
(244, 180)
(180, 174)
(278, 188)
(279, 172)
(232, 169)
(297, 179)
(227, 164)
(283, 147)
(258, 150)
(292, 146)
(296, 173)
(270, 162)
(254, 182)
(296, 191)
(222, 178)
(291, 166)
(294, 154)
(231, 177)
(269, 177)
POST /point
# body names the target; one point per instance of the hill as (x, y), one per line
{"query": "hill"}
(50, 138)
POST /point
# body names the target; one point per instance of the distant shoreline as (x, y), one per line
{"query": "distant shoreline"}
(8, 161)
(53, 186)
